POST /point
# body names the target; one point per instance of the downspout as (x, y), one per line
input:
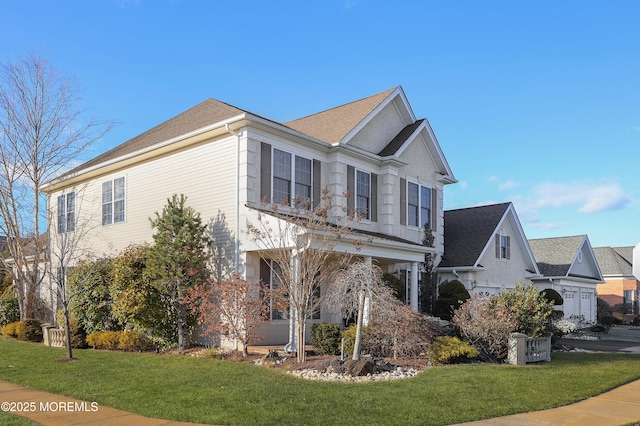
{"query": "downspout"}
(236, 250)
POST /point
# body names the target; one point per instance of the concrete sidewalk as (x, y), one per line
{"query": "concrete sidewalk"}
(619, 406)
(53, 410)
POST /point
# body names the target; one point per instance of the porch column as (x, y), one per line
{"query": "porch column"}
(292, 345)
(367, 300)
(413, 299)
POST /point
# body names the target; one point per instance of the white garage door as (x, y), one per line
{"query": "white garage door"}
(570, 304)
(586, 306)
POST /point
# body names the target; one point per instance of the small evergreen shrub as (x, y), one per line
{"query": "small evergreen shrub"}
(9, 311)
(132, 341)
(11, 329)
(618, 320)
(104, 340)
(349, 336)
(451, 350)
(119, 340)
(29, 330)
(552, 296)
(326, 338)
(452, 295)
(636, 320)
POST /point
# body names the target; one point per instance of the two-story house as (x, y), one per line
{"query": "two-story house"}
(225, 160)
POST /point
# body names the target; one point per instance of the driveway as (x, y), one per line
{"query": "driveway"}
(619, 339)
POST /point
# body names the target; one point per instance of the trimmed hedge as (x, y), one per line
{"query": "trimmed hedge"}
(451, 350)
(326, 338)
(11, 329)
(119, 340)
(29, 330)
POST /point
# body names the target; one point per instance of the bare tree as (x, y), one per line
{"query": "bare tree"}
(43, 129)
(359, 288)
(67, 235)
(301, 242)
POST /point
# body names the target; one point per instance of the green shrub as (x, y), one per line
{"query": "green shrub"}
(452, 295)
(326, 338)
(132, 341)
(529, 307)
(104, 340)
(618, 320)
(29, 330)
(604, 312)
(122, 340)
(11, 329)
(9, 311)
(552, 296)
(349, 336)
(636, 320)
(451, 350)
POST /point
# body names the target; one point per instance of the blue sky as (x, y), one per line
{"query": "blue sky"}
(537, 103)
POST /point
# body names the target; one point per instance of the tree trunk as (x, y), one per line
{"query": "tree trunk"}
(358, 339)
(67, 331)
(300, 334)
(182, 326)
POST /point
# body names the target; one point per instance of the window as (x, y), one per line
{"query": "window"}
(113, 201)
(67, 213)
(418, 205)
(274, 284)
(284, 175)
(503, 249)
(363, 194)
(302, 191)
(281, 176)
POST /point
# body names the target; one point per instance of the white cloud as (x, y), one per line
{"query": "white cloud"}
(510, 184)
(587, 197)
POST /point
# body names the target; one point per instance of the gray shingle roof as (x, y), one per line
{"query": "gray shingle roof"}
(467, 232)
(615, 260)
(555, 256)
(400, 139)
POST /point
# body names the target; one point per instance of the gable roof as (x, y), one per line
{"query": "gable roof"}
(205, 113)
(468, 233)
(400, 139)
(556, 256)
(615, 260)
(334, 124)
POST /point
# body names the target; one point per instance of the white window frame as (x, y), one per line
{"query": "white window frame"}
(362, 213)
(504, 249)
(293, 180)
(116, 204)
(420, 207)
(66, 213)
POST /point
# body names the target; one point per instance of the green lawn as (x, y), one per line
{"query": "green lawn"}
(227, 392)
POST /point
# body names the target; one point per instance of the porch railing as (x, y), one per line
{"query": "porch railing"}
(524, 349)
(55, 337)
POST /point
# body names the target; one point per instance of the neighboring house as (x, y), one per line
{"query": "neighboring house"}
(621, 289)
(568, 266)
(486, 249)
(225, 160)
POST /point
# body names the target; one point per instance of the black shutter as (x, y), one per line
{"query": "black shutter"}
(374, 198)
(316, 183)
(403, 201)
(498, 246)
(434, 211)
(508, 247)
(351, 187)
(265, 172)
